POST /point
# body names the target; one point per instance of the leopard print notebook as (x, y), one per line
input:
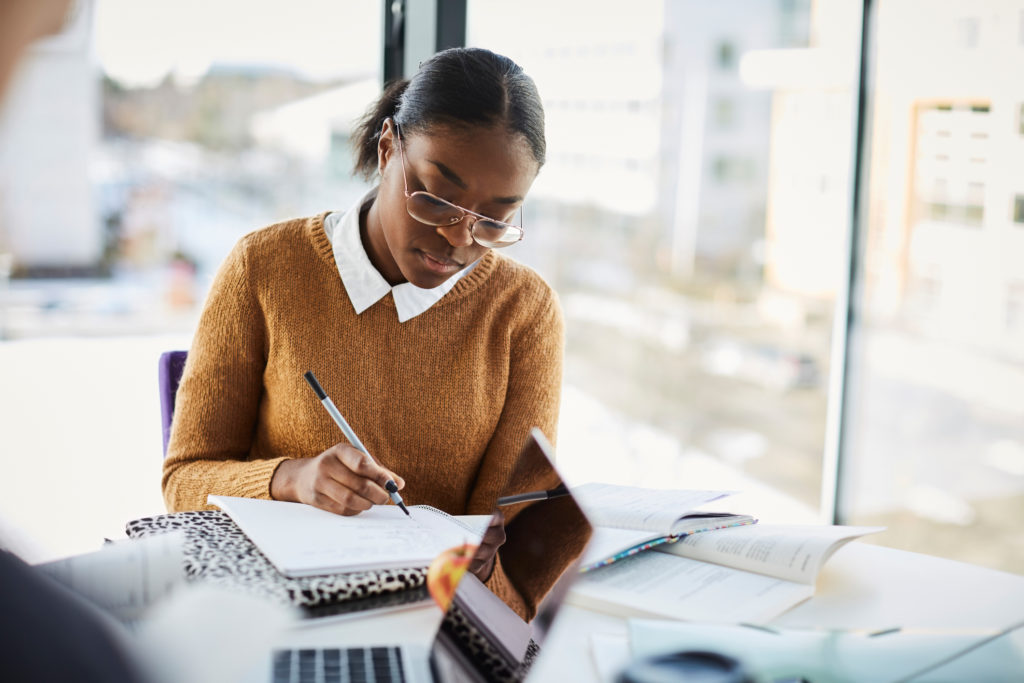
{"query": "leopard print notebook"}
(217, 551)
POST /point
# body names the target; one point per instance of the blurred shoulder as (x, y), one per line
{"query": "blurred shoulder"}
(289, 237)
(523, 280)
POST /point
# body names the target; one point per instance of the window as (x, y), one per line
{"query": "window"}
(923, 429)
(727, 170)
(696, 325)
(726, 55)
(165, 138)
(974, 211)
(725, 113)
(951, 143)
(1015, 307)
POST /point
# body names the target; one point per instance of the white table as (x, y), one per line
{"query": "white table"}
(862, 586)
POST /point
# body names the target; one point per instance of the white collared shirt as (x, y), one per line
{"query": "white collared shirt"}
(364, 283)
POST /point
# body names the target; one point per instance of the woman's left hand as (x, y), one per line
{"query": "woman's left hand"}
(483, 561)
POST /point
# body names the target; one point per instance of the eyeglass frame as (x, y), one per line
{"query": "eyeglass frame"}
(465, 211)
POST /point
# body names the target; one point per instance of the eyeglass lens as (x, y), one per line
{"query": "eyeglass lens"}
(432, 210)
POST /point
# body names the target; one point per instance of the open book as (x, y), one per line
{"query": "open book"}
(301, 540)
(628, 520)
(744, 574)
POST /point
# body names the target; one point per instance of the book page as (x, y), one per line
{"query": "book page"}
(794, 552)
(300, 540)
(126, 577)
(630, 507)
(675, 587)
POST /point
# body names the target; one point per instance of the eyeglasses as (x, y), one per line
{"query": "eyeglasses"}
(430, 209)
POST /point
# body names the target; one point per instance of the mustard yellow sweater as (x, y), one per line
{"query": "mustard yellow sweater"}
(445, 400)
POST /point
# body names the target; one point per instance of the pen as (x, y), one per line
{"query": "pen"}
(339, 420)
(556, 492)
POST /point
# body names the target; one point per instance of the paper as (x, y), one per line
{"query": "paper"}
(785, 551)
(679, 588)
(125, 577)
(630, 507)
(300, 540)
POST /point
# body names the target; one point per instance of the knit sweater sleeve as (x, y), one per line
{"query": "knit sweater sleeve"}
(217, 402)
(532, 399)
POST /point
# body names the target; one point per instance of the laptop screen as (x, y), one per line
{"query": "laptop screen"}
(494, 632)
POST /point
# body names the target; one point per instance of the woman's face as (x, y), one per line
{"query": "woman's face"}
(484, 169)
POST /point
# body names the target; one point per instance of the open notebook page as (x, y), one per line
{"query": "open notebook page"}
(630, 507)
(300, 540)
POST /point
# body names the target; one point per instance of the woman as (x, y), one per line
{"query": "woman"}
(443, 379)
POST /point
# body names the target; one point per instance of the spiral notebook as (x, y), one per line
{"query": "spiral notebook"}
(300, 540)
(218, 552)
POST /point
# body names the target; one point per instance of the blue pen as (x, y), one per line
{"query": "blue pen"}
(339, 420)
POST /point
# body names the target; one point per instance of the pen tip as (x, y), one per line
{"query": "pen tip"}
(404, 509)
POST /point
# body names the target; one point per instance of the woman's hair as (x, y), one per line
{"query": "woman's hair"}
(456, 86)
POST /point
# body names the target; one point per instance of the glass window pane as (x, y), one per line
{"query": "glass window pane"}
(136, 148)
(692, 216)
(934, 444)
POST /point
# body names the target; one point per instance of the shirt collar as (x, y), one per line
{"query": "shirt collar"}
(364, 283)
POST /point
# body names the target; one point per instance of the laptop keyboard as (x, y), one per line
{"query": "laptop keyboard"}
(338, 665)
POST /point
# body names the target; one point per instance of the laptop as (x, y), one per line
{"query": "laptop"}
(481, 637)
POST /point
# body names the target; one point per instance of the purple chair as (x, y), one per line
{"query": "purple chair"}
(172, 363)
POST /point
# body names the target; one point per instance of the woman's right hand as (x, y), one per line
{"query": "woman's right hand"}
(342, 480)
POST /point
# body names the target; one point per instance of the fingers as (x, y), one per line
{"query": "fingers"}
(363, 465)
(395, 478)
(346, 481)
(330, 495)
(351, 480)
(357, 472)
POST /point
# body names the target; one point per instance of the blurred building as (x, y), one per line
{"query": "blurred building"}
(602, 105)
(716, 131)
(947, 212)
(809, 169)
(317, 129)
(659, 149)
(49, 129)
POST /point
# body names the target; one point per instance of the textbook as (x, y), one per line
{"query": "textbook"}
(301, 540)
(745, 574)
(628, 520)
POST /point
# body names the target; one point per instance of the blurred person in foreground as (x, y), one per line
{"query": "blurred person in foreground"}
(47, 633)
(439, 350)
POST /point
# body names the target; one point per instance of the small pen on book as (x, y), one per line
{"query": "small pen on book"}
(339, 420)
(556, 492)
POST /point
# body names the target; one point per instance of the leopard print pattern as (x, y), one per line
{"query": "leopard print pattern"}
(216, 550)
(461, 630)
